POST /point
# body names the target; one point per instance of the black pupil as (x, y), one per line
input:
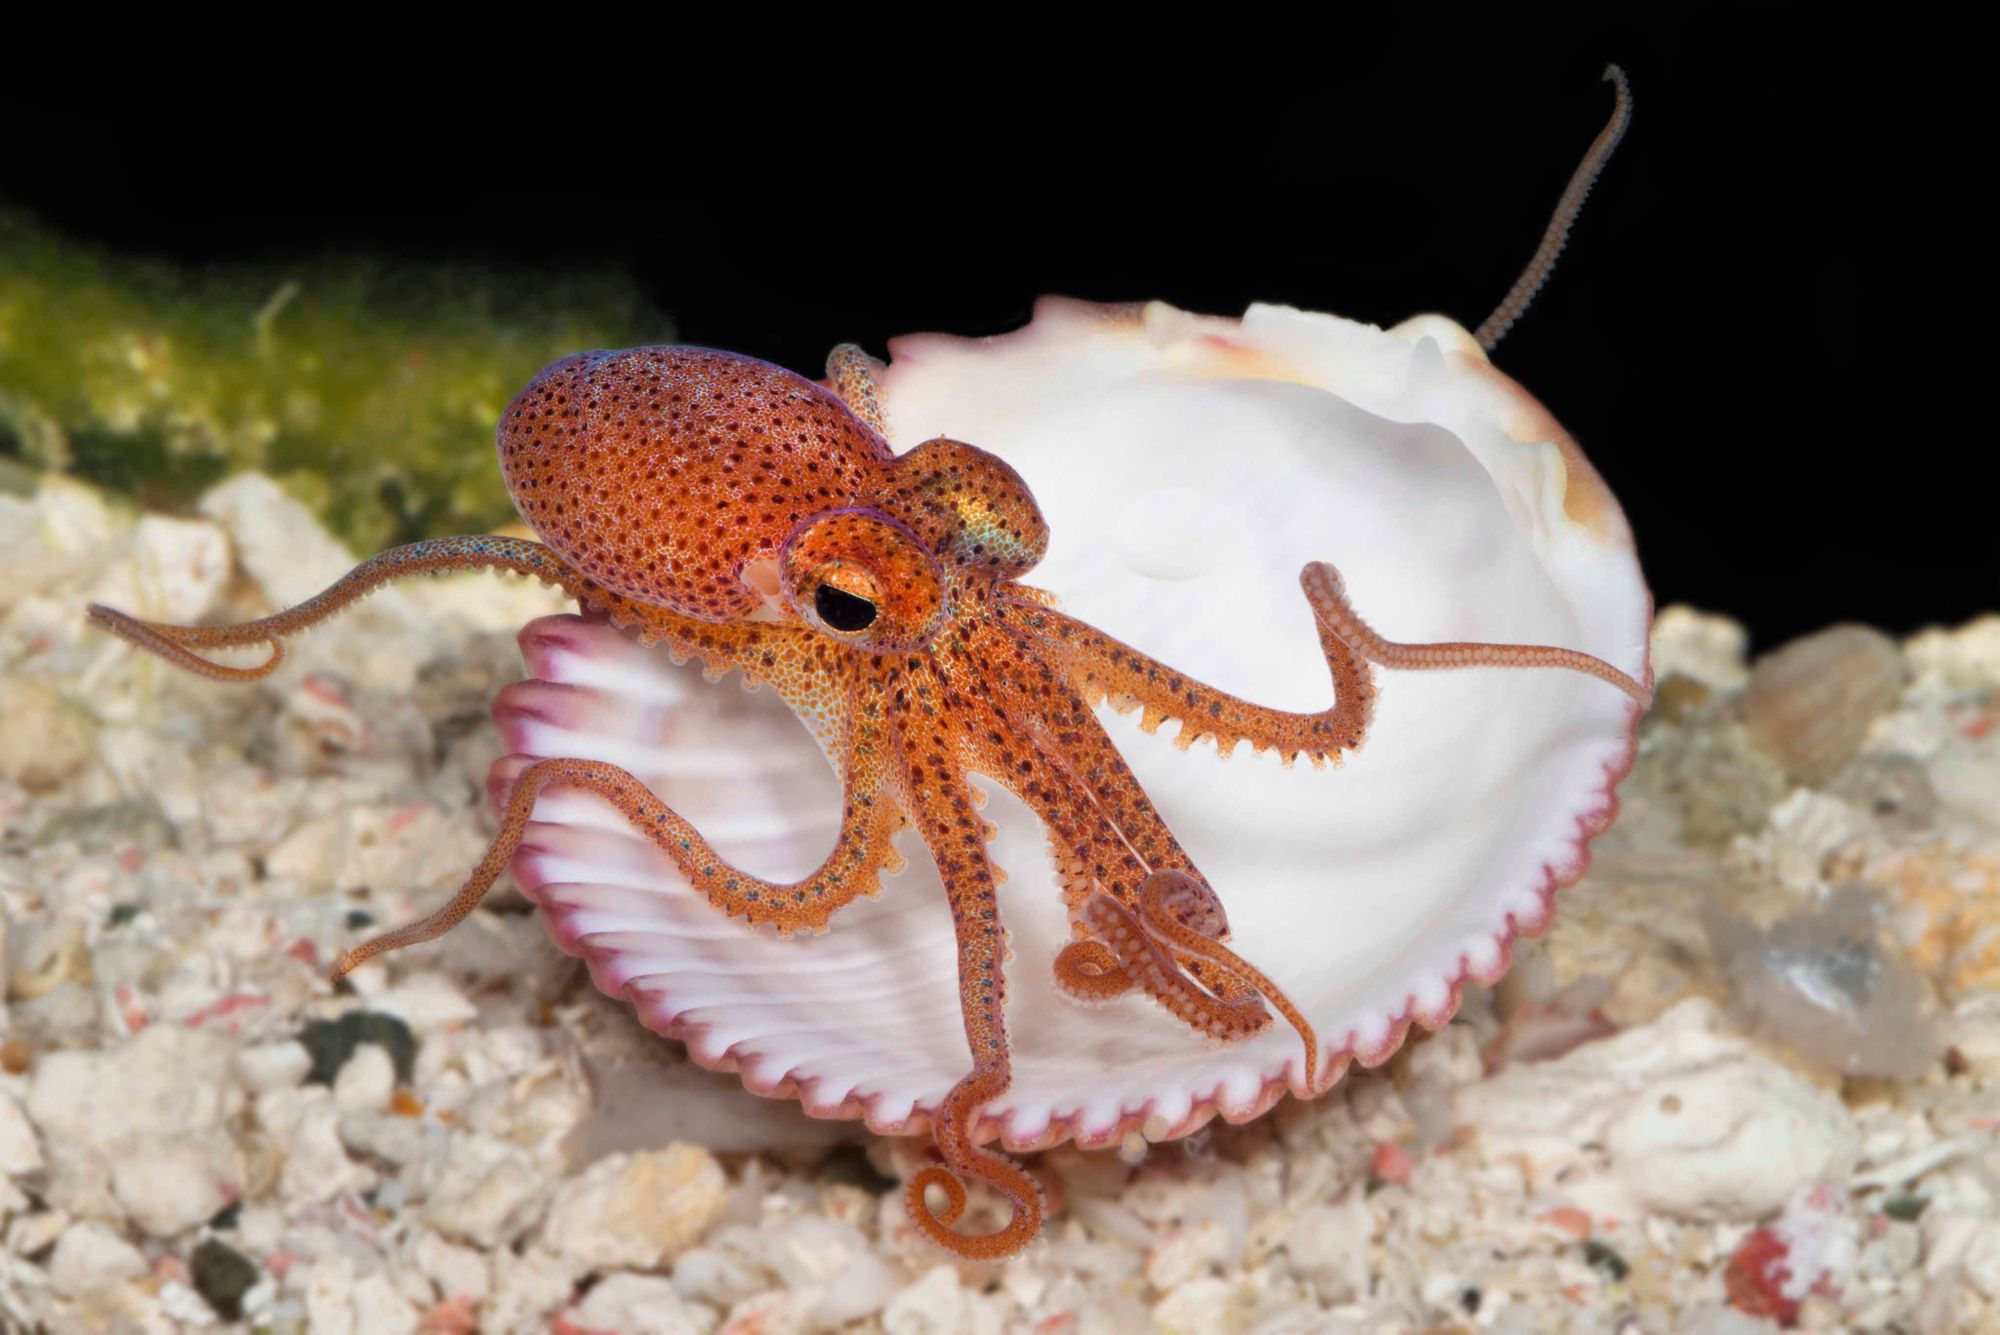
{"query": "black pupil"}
(841, 610)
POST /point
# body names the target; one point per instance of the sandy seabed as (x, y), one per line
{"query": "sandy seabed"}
(1751, 1078)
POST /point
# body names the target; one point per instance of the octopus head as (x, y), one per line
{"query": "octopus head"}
(676, 476)
(660, 473)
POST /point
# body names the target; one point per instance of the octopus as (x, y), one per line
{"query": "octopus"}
(731, 511)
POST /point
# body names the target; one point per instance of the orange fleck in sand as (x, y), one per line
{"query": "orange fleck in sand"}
(1570, 1220)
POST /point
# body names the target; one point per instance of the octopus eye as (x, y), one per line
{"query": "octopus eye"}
(842, 611)
(864, 580)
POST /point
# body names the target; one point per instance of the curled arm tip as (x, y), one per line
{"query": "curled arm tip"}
(1024, 1195)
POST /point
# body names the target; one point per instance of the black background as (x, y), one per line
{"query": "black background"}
(1727, 334)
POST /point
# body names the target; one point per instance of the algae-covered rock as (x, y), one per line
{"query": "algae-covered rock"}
(370, 388)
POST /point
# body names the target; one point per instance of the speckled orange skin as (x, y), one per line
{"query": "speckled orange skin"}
(708, 502)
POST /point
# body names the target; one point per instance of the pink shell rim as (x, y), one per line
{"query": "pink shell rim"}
(1590, 822)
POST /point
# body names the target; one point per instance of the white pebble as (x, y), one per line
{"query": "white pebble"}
(176, 1184)
(713, 1275)
(29, 1233)
(1186, 1252)
(935, 1305)
(482, 1191)
(366, 1080)
(280, 1065)
(1709, 648)
(458, 1272)
(636, 1211)
(426, 1002)
(306, 1128)
(171, 570)
(1328, 1244)
(527, 1289)
(168, 1081)
(89, 1257)
(1971, 1244)
(340, 1303)
(639, 1305)
(1196, 1307)
(20, 1153)
(1699, 1123)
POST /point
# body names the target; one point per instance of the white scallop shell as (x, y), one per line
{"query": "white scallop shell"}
(1188, 468)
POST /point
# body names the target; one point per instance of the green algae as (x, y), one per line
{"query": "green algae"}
(369, 388)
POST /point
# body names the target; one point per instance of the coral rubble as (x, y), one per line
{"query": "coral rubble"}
(1747, 1080)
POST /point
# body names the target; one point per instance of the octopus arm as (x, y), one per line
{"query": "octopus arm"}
(863, 850)
(855, 730)
(1139, 924)
(1103, 668)
(940, 800)
(720, 645)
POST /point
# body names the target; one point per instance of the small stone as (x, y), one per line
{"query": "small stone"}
(282, 1065)
(281, 543)
(331, 1042)
(935, 1305)
(1697, 1122)
(222, 1275)
(44, 956)
(90, 1257)
(171, 570)
(305, 1127)
(637, 1211)
(1970, 1244)
(858, 1291)
(42, 742)
(482, 1191)
(365, 1081)
(1186, 1252)
(173, 1185)
(1827, 982)
(338, 1300)
(848, 1165)
(458, 1272)
(1328, 1244)
(1755, 1278)
(427, 1001)
(31, 1233)
(1391, 1163)
(626, 1304)
(1680, 699)
(1810, 704)
(1606, 1261)
(162, 1098)
(1196, 1307)
(20, 1153)
(1894, 788)
(827, 1264)
(1966, 658)
(528, 1289)
(169, 1079)
(717, 1276)
(1699, 646)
